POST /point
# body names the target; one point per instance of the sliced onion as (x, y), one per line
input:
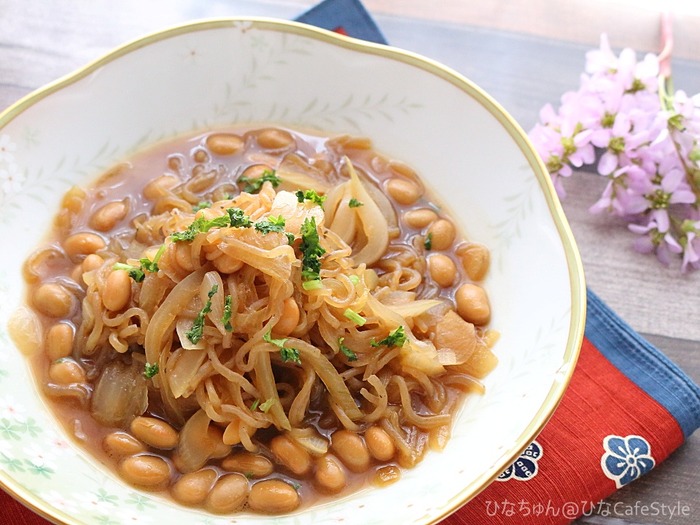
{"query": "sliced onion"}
(186, 366)
(195, 445)
(415, 308)
(26, 331)
(183, 326)
(120, 395)
(309, 439)
(296, 173)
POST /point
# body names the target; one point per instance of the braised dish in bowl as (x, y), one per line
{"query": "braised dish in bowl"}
(333, 275)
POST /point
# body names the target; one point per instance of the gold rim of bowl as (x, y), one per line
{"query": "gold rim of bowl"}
(576, 275)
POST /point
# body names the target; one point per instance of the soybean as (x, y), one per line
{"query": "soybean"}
(66, 371)
(117, 290)
(379, 443)
(475, 260)
(273, 138)
(228, 494)
(145, 471)
(403, 191)
(351, 450)
(273, 496)
(109, 215)
(154, 432)
(442, 269)
(59, 341)
(442, 234)
(420, 217)
(91, 262)
(291, 455)
(160, 186)
(83, 243)
(120, 444)
(329, 474)
(193, 488)
(53, 299)
(473, 304)
(248, 464)
(224, 143)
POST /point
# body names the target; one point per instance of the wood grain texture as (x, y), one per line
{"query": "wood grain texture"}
(525, 55)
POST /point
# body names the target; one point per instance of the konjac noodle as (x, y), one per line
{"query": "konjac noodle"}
(258, 318)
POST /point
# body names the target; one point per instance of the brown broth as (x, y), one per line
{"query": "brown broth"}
(180, 158)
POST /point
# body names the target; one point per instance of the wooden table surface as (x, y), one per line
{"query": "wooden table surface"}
(525, 54)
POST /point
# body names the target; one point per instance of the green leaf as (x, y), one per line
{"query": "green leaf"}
(352, 356)
(354, 203)
(195, 333)
(311, 250)
(135, 272)
(310, 195)
(254, 185)
(354, 317)
(395, 338)
(150, 370)
(270, 224)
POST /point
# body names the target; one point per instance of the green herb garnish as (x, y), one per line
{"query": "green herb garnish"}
(152, 265)
(254, 185)
(270, 224)
(238, 219)
(135, 272)
(150, 370)
(286, 353)
(254, 405)
(195, 333)
(311, 250)
(201, 205)
(226, 318)
(352, 356)
(290, 237)
(310, 195)
(354, 203)
(316, 284)
(354, 317)
(428, 242)
(395, 338)
(200, 225)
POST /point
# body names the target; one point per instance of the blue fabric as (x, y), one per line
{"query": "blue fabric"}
(643, 364)
(636, 358)
(350, 15)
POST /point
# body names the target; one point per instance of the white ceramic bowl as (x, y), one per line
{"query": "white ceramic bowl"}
(222, 72)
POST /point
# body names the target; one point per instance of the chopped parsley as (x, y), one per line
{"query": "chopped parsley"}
(290, 237)
(354, 317)
(254, 185)
(138, 273)
(270, 224)
(226, 318)
(395, 338)
(195, 333)
(201, 205)
(135, 272)
(428, 242)
(352, 356)
(152, 265)
(286, 353)
(354, 203)
(310, 195)
(267, 405)
(150, 370)
(238, 219)
(311, 250)
(200, 225)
